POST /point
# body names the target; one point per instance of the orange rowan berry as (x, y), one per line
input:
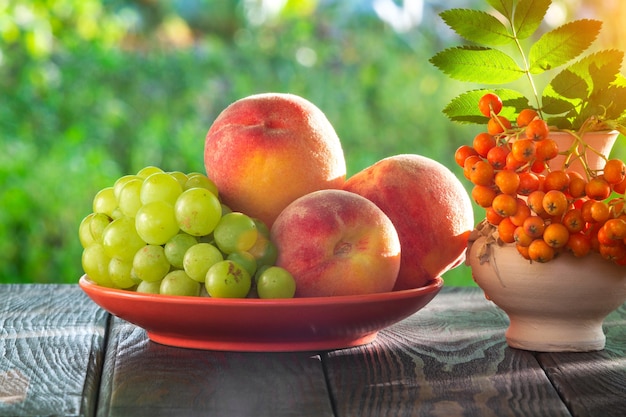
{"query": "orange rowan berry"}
(526, 116)
(556, 180)
(462, 153)
(615, 228)
(556, 235)
(537, 130)
(614, 171)
(498, 124)
(523, 149)
(540, 251)
(555, 203)
(534, 226)
(546, 150)
(469, 163)
(521, 213)
(483, 195)
(504, 204)
(483, 142)
(521, 238)
(492, 216)
(506, 229)
(600, 211)
(535, 202)
(573, 220)
(597, 188)
(489, 103)
(482, 173)
(528, 182)
(497, 156)
(578, 244)
(507, 181)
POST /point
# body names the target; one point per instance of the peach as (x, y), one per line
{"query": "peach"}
(337, 243)
(266, 150)
(430, 209)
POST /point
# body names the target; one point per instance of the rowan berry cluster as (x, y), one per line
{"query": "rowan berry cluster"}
(540, 209)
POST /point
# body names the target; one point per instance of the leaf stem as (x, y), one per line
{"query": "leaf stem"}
(526, 69)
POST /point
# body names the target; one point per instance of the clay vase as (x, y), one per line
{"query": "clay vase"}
(557, 306)
(601, 141)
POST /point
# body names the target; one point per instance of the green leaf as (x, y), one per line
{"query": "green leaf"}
(477, 26)
(570, 85)
(528, 16)
(559, 46)
(503, 6)
(477, 65)
(599, 69)
(464, 108)
(561, 121)
(553, 103)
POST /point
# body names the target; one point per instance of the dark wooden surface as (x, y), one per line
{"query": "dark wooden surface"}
(64, 356)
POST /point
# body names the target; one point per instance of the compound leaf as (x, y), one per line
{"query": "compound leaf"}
(477, 64)
(528, 16)
(464, 108)
(559, 46)
(570, 85)
(477, 26)
(503, 6)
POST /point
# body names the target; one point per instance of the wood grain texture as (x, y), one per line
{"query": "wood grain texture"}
(51, 344)
(143, 378)
(449, 359)
(593, 383)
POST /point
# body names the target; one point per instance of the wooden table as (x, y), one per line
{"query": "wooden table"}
(64, 356)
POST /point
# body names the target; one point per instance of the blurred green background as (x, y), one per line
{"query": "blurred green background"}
(91, 90)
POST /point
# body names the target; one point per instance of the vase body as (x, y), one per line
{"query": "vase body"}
(601, 141)
(556, 306)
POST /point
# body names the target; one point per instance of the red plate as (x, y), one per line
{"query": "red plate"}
(297, 324)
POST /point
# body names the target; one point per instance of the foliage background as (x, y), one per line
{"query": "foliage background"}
(92, 90)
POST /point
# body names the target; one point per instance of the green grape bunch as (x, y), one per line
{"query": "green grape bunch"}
(160, 232)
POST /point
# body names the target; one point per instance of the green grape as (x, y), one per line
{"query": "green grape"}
(120, 273)
(147, 171)
(227, 279)
(275, 282)
(245, 260)
(264, 251)
(150, 263)
(226, 209)
(178, 283)
(156, 223)
(105, 202)
(147, 287)
(160, 187)
(181, 177)
(97, 224)
(201, 181)
(121, 240)
(95, 263)
(84, 233)
(235, 232)
(197, 211)
(262, 228)
(128, 199)
(199, 258)
(176, 247)
(120, 182)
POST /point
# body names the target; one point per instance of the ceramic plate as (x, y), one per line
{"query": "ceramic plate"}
(297, 324)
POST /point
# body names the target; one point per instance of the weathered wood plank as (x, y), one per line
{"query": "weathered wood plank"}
(143, 378)
(449, 359)
(51, 344)
(593, 383)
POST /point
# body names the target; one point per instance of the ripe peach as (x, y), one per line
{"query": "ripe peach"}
(430, 209)
(337, 243)
(264, 151)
